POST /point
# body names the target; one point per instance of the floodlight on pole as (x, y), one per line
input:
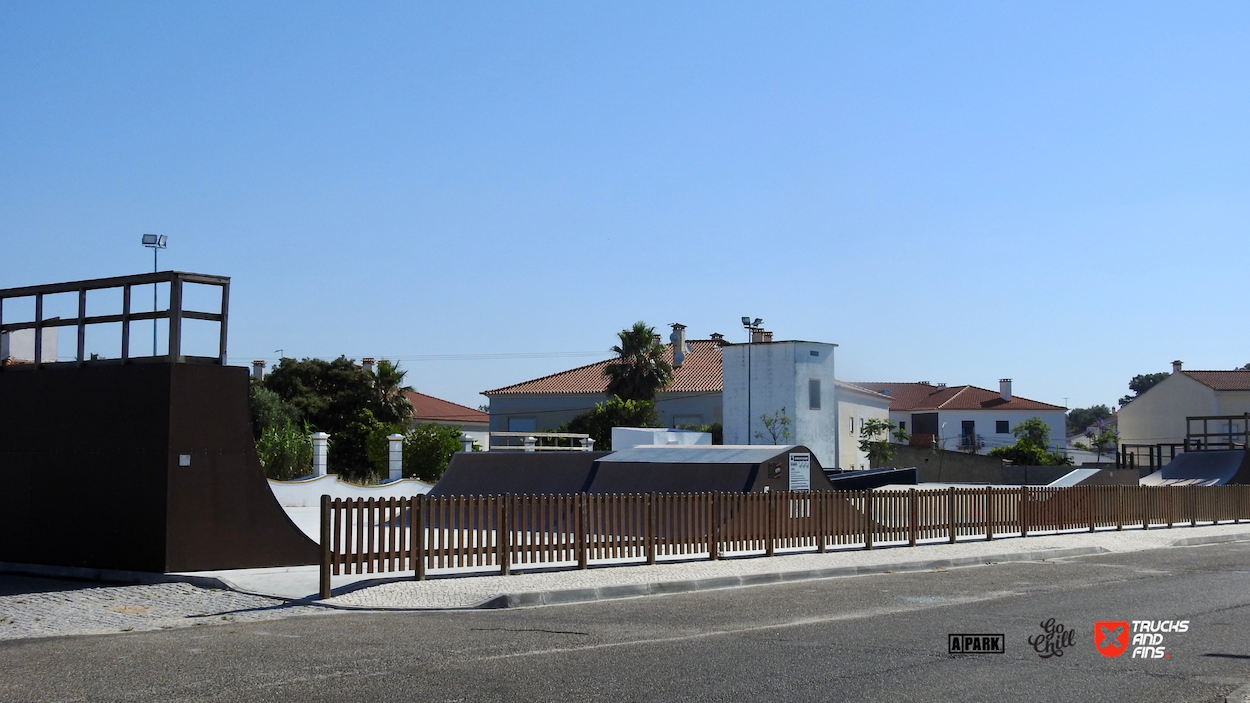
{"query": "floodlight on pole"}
(751, 328)
(155, 242)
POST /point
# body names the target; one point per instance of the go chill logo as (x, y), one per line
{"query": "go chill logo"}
(1112, 637)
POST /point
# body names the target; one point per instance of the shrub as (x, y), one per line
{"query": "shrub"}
(285, 452)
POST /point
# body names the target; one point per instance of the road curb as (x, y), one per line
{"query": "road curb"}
(1208, 539)
(655, 588)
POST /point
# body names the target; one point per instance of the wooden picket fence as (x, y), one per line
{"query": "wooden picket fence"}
(498, 533)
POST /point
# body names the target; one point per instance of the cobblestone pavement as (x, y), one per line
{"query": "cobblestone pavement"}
(51, 608)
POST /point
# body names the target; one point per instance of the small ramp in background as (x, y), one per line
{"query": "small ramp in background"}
(1213, 468)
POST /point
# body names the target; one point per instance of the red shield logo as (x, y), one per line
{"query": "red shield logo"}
(1111, 637)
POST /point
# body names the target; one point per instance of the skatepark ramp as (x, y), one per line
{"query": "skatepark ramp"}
(135, 463)
(1203, 468)
(642, 469)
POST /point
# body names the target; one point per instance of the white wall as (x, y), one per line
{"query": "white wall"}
(854, 408)
(779, 379)
(20, 345)
(629, 437)
(1158, 415)
(986, 425)
(307, 493)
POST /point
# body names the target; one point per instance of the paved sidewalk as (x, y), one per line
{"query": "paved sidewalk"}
(623, 581)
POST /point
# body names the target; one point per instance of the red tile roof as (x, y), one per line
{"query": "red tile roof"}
(1222, 380)
(923, 396)
(430, 409)
(699, 373)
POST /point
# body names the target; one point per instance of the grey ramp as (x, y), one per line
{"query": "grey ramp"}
(1215, 468)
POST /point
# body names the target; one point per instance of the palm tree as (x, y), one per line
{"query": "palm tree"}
(640, 370)
(388, 382)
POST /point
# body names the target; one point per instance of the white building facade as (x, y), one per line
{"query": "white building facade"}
(796, 379)
(1158, 415)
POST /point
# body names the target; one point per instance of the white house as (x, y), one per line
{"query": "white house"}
(1158, 415)
(967, 417)
(693, 398)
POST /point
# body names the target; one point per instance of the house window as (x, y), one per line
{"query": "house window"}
(902, 425)
(813, 394)
(1001, 427)
(522, 424)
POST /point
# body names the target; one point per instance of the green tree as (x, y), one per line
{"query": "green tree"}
(618, 412)
(874, 440)
(1030, 449)
(640, 370)
(346, 401)
(269, 411)
(428, 450)
(1141, 383)
(389, 390)
(778, 425)
(1080, 419)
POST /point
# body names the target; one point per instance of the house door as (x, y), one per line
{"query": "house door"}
(968, 435)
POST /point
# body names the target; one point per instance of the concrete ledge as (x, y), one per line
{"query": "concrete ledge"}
(1209, 539)
(81, 573)
(586, 595)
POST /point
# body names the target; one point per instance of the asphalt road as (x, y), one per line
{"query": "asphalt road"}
(867, 638)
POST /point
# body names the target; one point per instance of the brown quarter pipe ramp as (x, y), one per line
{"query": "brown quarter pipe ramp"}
(147, 467)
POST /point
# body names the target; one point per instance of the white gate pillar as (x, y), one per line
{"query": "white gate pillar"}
(320, 442)
(396, 442)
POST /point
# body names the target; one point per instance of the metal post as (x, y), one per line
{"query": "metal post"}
(82, 327)
(154, 255)
(650, 527)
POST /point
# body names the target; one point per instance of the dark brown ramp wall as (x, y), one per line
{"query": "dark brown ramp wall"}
(89, 466)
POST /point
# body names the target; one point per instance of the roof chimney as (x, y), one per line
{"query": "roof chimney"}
(680, 348)
(768, 336)
(258, 369)
(1176, 366)
(759, 336)
(940, 386)
(1004, 388)
(718, 338)
(367, 363)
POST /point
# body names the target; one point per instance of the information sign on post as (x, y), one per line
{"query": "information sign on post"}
(800, 471)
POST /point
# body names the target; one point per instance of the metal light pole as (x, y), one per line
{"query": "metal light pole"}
(155, 242)
(751, 327)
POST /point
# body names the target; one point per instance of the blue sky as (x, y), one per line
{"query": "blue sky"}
(954, 192)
